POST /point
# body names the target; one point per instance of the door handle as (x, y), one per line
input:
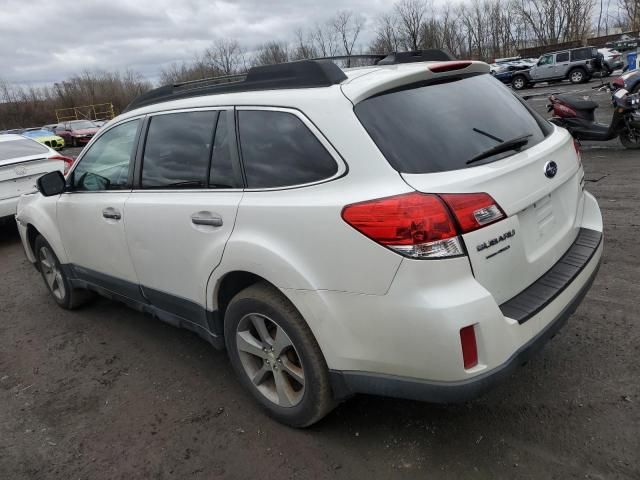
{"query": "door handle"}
(206, 218)
(111, 214)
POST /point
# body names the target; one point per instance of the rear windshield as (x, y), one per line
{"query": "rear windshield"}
(20, 148)
(440, 127)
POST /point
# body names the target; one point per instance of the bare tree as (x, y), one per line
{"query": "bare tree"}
(387, 34)
(225, 56)
(325, 39)
(304, 46)
(348, 26)
(411, 14)
(630, 13)
(271, 53)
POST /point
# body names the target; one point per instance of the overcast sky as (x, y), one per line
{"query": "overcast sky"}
(44, 41)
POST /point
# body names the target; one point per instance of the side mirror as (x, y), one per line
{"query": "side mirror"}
(52, 183)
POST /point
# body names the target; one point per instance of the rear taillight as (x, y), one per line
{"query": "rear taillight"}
(68, 161)
(469, 347)
(420, 225)
(473, 210)
(417, 225)
(576, 146)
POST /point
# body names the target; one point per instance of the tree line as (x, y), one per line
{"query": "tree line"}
(479, 29)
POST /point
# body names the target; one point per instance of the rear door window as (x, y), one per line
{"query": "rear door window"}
(20, 148)
(278, 150)
(177, 150)
(438, 127)
(562, 57)
(581, 54)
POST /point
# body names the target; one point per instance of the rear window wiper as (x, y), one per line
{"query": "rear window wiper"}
(507, 145)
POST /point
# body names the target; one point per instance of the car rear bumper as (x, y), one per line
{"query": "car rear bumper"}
(347, 383)
(406, 343)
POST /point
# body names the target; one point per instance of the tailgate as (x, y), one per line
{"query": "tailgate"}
(543, 213)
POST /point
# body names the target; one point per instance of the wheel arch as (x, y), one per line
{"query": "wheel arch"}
(50, 234)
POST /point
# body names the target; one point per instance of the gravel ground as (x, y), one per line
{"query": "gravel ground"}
(107, 393)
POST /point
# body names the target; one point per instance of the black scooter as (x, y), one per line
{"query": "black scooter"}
(578, 116)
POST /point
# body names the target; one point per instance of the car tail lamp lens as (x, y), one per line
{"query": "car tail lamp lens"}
(473, 210)
(416, 225)
(68, 161)
(469, 347)
(576, 145)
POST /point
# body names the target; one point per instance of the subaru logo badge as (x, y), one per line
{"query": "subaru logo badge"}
(550, 169)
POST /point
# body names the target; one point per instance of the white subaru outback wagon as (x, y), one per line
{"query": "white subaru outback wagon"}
(410, 229)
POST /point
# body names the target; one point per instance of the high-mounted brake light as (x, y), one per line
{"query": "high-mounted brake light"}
(416, 225)
(473, 210)
(448, 66)
(68, 161)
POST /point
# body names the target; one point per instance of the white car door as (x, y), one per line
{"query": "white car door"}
(183, 207)
(91, 214)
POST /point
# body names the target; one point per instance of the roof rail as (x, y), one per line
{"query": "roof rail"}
(316, 72)
(299, 74)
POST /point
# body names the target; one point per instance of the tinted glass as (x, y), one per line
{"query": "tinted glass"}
(106, 165)
(582, 54)
(21, 148)
(562, 57)
(279, 150)
(177, 151)
(440, 127)
(221, 175)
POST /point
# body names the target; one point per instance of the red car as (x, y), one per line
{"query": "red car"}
(76, 132)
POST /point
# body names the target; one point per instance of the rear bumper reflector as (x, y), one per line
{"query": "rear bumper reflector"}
(544, 290)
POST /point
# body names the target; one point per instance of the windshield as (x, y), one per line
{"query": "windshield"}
(36, 131)
(20, 148)
(440, 127)
(82, 124)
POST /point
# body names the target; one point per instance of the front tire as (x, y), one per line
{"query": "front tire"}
(519, 82)
(56, 279)
(276, 357)
(577, 75)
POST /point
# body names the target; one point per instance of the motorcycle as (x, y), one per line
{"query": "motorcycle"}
(578, 117)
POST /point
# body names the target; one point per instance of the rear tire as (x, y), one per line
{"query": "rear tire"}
(56, 279)
(629, 142)
(276, 357)
(577, 75)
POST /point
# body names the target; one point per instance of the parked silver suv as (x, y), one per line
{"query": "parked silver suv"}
(577, 65)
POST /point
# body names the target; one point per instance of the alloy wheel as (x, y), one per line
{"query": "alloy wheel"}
(270, 360)
(576, 77)
(52, 273)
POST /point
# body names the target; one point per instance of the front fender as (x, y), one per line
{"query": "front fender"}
(41, 213)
